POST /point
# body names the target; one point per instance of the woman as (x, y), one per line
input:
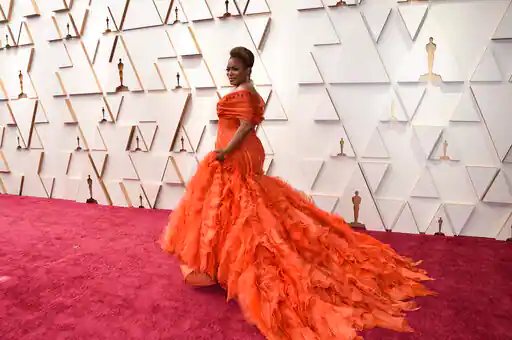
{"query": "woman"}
(297, 272)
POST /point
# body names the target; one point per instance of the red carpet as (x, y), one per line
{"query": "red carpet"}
(76, 271)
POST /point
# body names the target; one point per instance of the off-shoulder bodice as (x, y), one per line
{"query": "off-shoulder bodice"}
(242, 105)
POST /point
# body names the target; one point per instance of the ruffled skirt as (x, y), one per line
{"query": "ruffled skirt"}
(296, 271)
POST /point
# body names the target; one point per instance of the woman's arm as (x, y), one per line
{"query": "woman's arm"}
(243, 130)
(240, 134)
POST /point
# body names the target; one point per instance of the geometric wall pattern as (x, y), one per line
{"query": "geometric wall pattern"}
(426, 124)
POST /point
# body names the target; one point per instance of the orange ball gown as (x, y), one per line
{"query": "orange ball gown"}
(296, 271)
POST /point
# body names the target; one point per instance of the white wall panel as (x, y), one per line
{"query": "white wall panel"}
(358, 73)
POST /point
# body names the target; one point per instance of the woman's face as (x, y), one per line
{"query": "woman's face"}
(237, 72)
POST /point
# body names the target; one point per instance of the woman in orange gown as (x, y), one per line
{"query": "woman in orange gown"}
(296, 271)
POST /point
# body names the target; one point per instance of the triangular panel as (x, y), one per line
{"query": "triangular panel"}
(424, 210)
(390, 210)
(376, 147)
(425, 186)
(459, 215)
(376, 18)
(495, 102)
(368, 214)
(487, 69)
(428, 136)
(466, 110)
(172, 174)
(504, 30)
(505, 232)
(406, 223)
(197, 10)
(500, 190)
(413, 16)
(265, 141)
(253, 6)
(411, 97)
(325, 202)
(440, 223)
(445, 149)
(141, 14)
(393, 110)
(481, 178)
(151, 192)
(374, 173)
(258, 27)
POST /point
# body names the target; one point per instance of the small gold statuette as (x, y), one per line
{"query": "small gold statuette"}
(22, 94)
(137, 140)
(103, 116)
(393, 111)
(68, 36)
(356, 201)
(342, 147)
(19, 145)
(431, 48)
(108, 30)
(178, 86)
(7, 41)
(227, 14)
(141, 205)
(176, 11)
(445, 157)
(120, 69)
(183, 145)
(90, 200)
(440, 224)
(78, 148)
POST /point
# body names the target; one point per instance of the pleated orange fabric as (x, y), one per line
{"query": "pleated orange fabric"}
(296, 271)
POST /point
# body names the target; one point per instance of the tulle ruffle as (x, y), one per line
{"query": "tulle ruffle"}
(296, 271)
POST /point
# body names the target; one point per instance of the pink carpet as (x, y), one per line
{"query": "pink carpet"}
(76, 271)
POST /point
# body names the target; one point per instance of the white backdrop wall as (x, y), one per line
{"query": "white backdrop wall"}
(326, 73)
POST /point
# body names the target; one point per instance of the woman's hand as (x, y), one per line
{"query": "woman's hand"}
(220, 155)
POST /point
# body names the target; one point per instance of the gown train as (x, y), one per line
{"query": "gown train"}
(296, 271)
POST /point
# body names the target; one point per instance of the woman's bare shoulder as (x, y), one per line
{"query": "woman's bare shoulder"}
(248, 87)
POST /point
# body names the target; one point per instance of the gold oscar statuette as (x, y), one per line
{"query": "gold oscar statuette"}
(107, 30)
(440, 224)
(90, 200)
(178, 86)
(68, 36)
(78, 148)
(393, 111)
(430, 76)
(141, 205)
(138, 146)
(22, 94)
(183, 145)
(7, 41)
(356, 201)
(176, 20)
(19, 145)
(103, 116)
(445, 157)
(342, 147)
(227, 14)
(120, 69)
